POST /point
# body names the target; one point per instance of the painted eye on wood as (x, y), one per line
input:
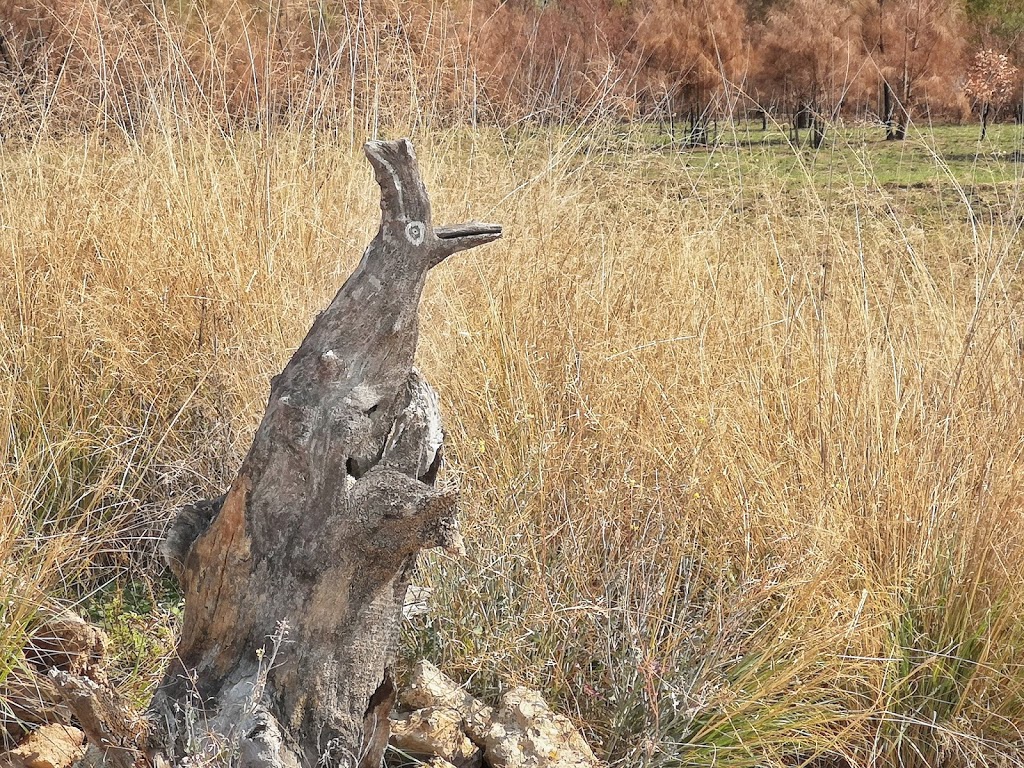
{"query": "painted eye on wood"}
(415, 231)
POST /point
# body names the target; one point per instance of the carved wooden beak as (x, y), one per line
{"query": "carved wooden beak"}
(463, 236)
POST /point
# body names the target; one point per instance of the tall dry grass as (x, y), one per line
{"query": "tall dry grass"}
(743, 468)
(740, 461)
(739, 451)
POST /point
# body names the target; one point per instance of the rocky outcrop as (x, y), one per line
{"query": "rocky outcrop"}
(49, 746)
(438, 718)
(61, 641)
(435, 731)
(62, 682)
(30, 699)
(525, 733)
(66, 642)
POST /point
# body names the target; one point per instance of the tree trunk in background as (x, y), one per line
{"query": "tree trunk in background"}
(903, 122)
(889, 111)
(803, 116)
(984, 119)
(900, 130)
(294, 581)
(671, 120)
(800, 122)
(698, 127)
(817, 129)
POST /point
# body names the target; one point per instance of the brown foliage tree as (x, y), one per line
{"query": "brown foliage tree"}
(551, 61)
(690, 51)
(379, 59)
(808, 53)
(89, 63)
(990, 83)
(917, 47)
(72, 62)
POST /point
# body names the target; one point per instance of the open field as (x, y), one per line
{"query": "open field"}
(931, 157)
(738, 431)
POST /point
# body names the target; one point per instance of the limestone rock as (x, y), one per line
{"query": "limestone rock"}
(108, 721)
(50, 746)
(429, 687)
(435, 731)
(522, 732)
(30, 698)
(525, 733)
(94, 757)
(66, 642)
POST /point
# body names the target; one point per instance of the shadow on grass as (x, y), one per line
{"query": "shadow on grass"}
(1017, 156)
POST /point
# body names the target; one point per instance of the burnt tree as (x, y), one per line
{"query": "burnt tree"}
(295, 579)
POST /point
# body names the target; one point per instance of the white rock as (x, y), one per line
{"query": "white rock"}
(435, 731)
(525, 733)
(430, 687)
(522, 732)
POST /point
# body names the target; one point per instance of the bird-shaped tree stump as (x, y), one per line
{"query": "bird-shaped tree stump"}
(295, 579)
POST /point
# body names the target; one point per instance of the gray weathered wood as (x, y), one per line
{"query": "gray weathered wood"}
(320, 530)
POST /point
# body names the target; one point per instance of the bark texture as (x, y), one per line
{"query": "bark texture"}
(295, 579)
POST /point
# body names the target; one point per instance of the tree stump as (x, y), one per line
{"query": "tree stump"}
(295, 579)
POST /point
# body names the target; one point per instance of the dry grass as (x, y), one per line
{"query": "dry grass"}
(741, 465)
(748, 456)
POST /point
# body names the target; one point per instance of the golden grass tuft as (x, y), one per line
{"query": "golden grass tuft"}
(740, 458)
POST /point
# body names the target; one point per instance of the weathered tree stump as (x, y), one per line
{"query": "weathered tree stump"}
(295, 579)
